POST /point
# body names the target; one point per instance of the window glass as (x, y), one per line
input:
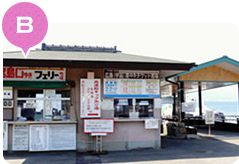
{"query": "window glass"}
(123, 107)
(29, 93)
(44, 105)
(145, 107)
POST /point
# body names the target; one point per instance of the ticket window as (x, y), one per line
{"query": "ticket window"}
(38, 105)
(145, 107)
(123, 107)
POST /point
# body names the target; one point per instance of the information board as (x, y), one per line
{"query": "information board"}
(144, 88)
(20, 137)
(209, 117)
(62, 137)
(52, 137)
(90, 98)
(38, 138)
(98, 125)
(5, 136)
(151, 124)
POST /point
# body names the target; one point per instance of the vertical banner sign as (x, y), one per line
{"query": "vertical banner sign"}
(90, 98)
(5, 136)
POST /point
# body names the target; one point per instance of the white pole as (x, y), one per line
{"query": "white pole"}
(209, 130)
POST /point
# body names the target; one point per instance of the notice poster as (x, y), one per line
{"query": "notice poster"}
(151, 124)
(38, 137)
(62, 137)
(144, 88)
(98, 125)
(90, 98)
(5, 136)
(20, 137)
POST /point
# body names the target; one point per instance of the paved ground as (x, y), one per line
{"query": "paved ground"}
(221, 148)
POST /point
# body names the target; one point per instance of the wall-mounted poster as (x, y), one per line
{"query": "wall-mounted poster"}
(20, 137)
(34, 74)
(62, 137)
(144, 88)
(151, 124)
(38, 138)
(52, 137)
(5, 136)
(90, 98)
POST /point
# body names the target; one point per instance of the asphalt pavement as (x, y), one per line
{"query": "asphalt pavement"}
(221, 148)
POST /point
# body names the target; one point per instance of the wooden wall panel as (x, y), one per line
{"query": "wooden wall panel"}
(212, 73)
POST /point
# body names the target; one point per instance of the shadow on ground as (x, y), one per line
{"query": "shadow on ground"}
(172, 149)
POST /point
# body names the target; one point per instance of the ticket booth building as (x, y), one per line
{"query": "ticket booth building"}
(49, 95)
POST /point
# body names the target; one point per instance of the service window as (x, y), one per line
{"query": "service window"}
(123, 107)
(49, 104)
(145, 107)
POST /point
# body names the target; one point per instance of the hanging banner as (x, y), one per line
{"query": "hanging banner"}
(90, 98)
(144, 88)
(5, 136)
(33, 74)
(98, 125)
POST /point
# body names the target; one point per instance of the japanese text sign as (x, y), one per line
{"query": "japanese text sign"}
(98, 125)
(33, 74)
(90, 98)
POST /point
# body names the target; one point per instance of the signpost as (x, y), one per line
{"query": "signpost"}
(98, 128)
(209, 120)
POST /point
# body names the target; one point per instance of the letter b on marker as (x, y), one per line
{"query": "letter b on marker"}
(20, 24)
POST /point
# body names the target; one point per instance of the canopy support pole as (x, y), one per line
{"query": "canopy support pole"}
(200, 98)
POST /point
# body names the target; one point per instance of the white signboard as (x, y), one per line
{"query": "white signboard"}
(209, 117)
(34, 74)
(38, 138)
(7, 93)
(62, 137)
(189, 106)
(5, 135)
(107, 104)
(151, 124)
(98, 125)
(90, 98)
(52, 137)
(131, 88)
(131, 74)
(20, 137)
(7, 103)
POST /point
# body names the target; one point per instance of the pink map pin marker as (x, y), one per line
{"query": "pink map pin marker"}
(25, 25)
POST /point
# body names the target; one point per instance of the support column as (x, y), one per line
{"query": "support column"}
(200, 98)
(174, 104)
